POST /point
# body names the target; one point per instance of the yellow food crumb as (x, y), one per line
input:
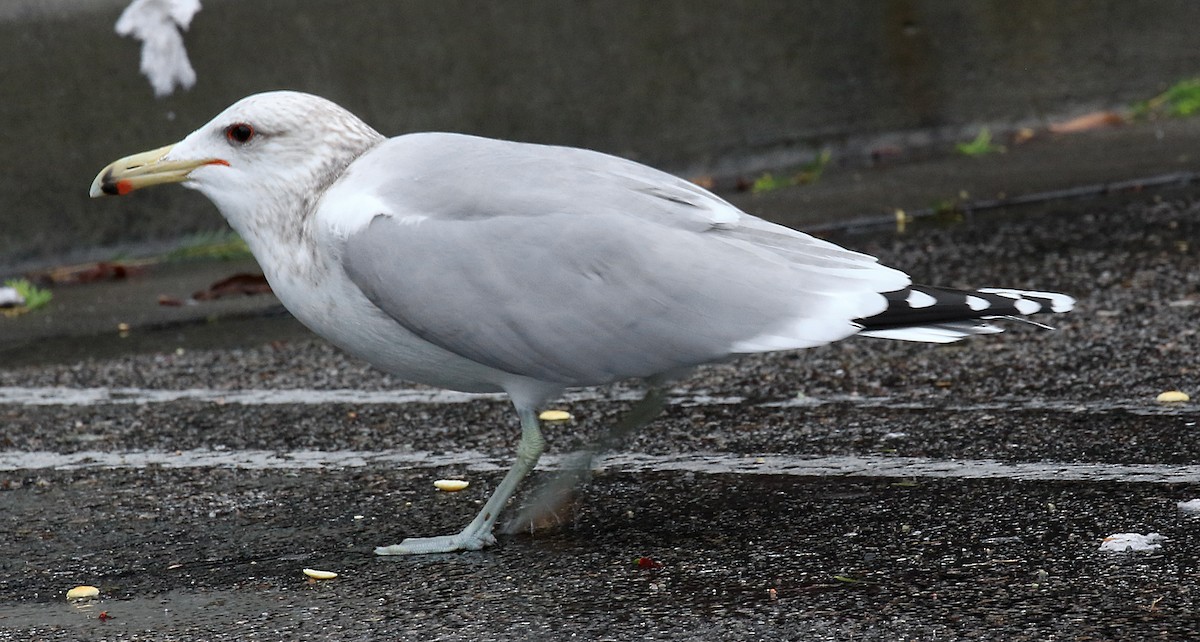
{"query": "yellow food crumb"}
(555, 415)
(451, 485)
(82, 593)
(1172, 396)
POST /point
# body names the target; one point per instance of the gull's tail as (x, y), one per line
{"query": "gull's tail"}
(940, 315)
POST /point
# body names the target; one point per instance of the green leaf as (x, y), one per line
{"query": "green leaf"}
(768, 182)
(1181, 99)
(809, 173)
(981, 145)
(34, 296)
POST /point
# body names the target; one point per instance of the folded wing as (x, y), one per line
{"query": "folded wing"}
(637, 273)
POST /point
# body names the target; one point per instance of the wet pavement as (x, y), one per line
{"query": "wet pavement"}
(867, 490)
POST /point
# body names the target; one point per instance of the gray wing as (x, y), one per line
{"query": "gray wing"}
(578, 268)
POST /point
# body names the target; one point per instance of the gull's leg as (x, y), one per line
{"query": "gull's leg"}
(478, 533)
(554, 493)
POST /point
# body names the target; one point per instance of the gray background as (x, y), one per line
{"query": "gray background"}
(692, 86)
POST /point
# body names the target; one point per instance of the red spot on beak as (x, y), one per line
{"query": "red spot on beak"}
(124, 187)
(218, 161)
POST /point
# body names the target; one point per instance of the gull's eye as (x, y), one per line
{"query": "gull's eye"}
(239, 133)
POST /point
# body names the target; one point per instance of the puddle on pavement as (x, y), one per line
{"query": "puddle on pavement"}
(252, 329)
(173, 609)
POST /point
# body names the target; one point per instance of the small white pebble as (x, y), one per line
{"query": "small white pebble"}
(1190, 506)
(555, 415)
(451, 485)
(9, 298)
(1125, 542)
(319, 575)
(83, 593)
(1172, 396)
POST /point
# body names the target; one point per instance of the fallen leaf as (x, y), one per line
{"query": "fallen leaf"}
(1088, 122)
(241, 283)
(91, 272)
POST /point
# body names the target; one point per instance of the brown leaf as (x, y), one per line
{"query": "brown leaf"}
(241, 283)
(1088, 122)
(90, 272)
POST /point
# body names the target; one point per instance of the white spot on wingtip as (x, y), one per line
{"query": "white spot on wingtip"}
(918, 299)
(1026, 306)
(977, 303)
(1058, 302)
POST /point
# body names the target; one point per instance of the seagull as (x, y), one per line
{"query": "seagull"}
(485, 265)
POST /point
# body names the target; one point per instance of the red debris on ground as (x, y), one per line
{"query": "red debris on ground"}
(241, 283)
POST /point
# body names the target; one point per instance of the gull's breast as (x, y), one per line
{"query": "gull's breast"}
(334, 308)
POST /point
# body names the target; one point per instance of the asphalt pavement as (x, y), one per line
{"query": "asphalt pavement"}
(867, 490)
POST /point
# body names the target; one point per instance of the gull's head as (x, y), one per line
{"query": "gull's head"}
(282, 148)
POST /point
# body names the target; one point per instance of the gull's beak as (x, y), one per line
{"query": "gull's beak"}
(143, 170)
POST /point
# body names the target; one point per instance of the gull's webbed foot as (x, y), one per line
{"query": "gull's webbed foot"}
(463, 541)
